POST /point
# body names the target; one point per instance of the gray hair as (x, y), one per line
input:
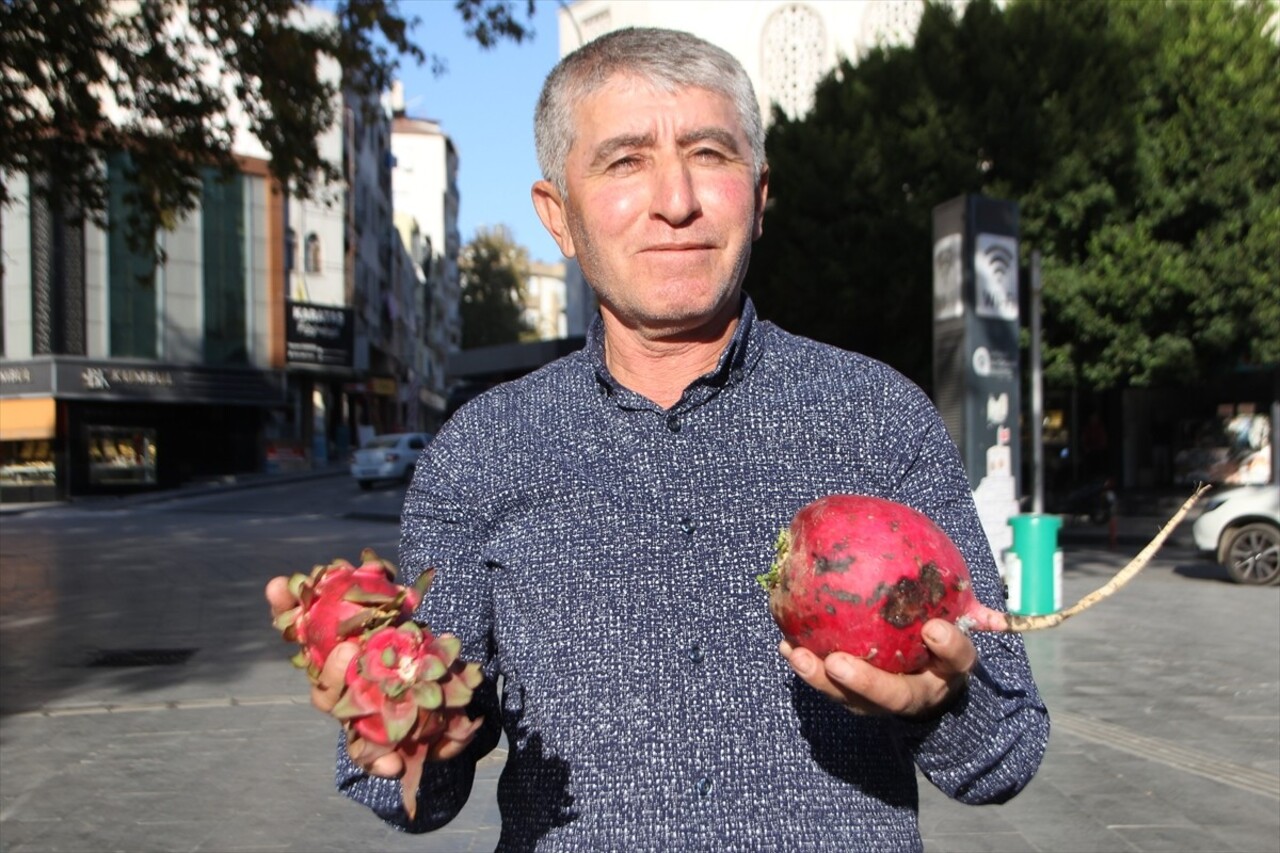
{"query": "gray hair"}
(668, 59)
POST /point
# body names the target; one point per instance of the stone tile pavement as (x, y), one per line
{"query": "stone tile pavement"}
(1165, 702)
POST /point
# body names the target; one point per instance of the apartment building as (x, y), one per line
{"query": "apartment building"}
(272, 332)
(426, 201)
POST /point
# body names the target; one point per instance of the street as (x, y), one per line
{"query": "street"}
(148, 705)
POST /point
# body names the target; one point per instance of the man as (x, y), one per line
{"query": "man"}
(598, 526)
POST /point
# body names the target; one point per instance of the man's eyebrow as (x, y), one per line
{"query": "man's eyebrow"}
(718, 135)
(606, 149)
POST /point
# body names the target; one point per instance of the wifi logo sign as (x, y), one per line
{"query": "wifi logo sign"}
(995, 267)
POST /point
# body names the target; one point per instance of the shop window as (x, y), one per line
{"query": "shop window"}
(26, 463)
(121, 456)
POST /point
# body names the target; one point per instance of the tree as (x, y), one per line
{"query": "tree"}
(1136, 139)
(163, 81)
(493, 270)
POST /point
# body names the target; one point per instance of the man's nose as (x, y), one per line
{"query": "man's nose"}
(675, 199)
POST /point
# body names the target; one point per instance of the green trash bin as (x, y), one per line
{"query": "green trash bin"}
(1033, 567)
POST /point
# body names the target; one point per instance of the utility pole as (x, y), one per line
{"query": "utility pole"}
(1037, 401)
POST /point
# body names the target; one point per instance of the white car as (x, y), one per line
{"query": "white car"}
(388, 457)
(1241, 528)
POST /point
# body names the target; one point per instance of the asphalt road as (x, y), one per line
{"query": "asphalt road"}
(146, 704)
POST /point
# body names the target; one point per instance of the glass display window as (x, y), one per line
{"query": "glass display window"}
(27, 462)
(121, 455)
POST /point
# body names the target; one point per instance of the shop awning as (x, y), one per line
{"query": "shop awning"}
(27, 418)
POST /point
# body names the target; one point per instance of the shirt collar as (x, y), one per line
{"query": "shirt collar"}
(739, 356)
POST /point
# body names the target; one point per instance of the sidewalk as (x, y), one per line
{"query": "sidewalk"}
(1165, 704)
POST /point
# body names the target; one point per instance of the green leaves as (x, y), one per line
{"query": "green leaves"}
(492, 268)
(165, 81)
(1137, 139)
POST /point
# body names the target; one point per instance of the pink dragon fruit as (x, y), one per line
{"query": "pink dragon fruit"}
(405, 691)
(340, 601)
(405, 682)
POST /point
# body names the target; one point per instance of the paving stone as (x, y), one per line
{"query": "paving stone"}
(224, 753)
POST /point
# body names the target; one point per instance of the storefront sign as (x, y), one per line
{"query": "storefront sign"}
(33, 377)
(322, 335)
(76, 378)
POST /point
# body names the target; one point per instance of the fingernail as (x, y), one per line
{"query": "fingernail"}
(839, 668)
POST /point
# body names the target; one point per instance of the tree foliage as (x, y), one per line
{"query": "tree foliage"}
(1137, 139)
(492, 268)
(166, 82)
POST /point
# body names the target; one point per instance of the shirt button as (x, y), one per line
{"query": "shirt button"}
(673, 423)
(687, 525)
(696, 654)
(704, 786)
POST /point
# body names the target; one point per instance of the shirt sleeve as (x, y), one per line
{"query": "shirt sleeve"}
(988, 745)
(440, 529)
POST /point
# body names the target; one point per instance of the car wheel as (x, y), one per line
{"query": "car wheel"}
(365, 485)
(407, 477)
(1251, 554)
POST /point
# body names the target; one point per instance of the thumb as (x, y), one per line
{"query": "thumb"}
(333, 676)
(951, 647)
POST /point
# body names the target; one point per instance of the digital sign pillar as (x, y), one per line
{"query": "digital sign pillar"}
(975, 349)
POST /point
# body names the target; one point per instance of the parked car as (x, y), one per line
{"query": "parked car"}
(388, 457)
(1241, 528)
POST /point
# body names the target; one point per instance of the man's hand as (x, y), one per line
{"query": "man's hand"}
(864, 689)
(328, 689)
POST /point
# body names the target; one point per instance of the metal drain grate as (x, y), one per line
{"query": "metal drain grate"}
(139, 657)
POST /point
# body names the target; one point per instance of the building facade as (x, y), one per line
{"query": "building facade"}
(270, 333)
(426, 200)
(118, 373)
(786, 46)
(545, 305)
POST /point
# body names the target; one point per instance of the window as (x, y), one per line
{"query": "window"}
(313, 256)
(26, 463)
(131, 274)
(223, 246)
(121, 455)
(793, 48)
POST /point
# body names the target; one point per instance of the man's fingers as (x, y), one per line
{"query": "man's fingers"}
(279, 597)
(814, 671)
(374, 760)
(952, 650)
(866, 689)
(328, 688)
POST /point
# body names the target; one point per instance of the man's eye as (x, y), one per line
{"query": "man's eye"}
(625, 164)
(709, 155)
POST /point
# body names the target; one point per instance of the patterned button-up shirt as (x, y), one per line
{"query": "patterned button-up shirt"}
(600, 555)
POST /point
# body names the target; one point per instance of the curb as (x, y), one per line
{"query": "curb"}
(230, 483)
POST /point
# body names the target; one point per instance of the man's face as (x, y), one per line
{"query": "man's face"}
(663, 204)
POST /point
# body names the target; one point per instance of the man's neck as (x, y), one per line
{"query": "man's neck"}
(660, 368)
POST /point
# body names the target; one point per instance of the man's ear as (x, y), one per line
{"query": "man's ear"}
(762, 196)
(549, 206)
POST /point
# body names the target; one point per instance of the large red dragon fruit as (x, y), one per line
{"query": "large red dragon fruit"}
(861, 574)
(405, 690)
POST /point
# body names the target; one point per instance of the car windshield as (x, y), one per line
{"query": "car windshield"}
(382, 441)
